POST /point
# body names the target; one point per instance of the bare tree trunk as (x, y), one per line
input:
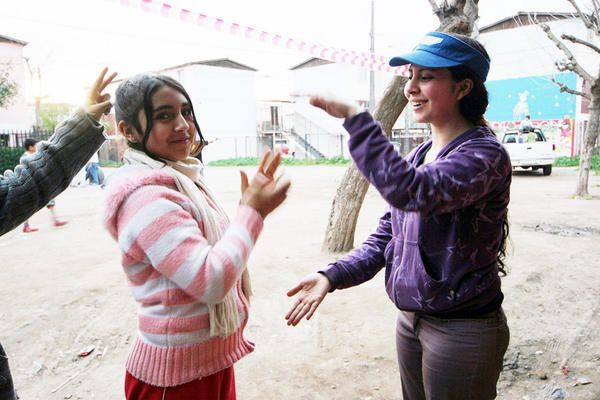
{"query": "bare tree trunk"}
(349, 197)
(459, 17)
(589, 144)
(570, 63)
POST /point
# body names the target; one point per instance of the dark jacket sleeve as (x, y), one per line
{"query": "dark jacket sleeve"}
(362, 263)
(466, 174)
(41, 177)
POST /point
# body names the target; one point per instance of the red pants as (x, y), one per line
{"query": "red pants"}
(219, 386)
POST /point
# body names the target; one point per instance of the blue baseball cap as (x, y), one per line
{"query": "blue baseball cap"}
(440, 50)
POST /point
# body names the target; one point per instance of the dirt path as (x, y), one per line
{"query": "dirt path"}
(63, 289)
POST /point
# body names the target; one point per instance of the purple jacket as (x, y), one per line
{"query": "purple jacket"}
(439, 240)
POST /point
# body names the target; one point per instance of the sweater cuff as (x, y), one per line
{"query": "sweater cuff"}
(330, 274)
(357, 120)
(79, 121)
(93, 122)
(250, 219)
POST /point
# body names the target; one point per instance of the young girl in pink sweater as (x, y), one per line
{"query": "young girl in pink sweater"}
(185, 261)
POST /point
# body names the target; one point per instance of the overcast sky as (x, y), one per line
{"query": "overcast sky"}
(72, 39)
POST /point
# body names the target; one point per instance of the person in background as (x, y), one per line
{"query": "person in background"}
(526, 124)
(30, 149)
(92, 170)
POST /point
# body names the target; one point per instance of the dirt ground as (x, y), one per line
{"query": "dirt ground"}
(63, 289)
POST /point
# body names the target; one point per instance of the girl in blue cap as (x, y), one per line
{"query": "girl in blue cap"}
(442, 239)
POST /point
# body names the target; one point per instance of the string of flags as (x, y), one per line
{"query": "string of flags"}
(368, 60)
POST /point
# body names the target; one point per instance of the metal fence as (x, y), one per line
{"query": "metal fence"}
(404, 142)
(326, 145)
(16, 139)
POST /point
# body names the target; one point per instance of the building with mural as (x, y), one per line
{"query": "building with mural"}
(520, 83)
(523, 69)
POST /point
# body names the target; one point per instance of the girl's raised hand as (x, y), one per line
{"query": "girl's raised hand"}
(335, 107)
(265, 192)
(98, 103)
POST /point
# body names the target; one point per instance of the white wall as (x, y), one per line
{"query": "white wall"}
(18, 116)
(527, 51)
(345, 81)
(224, 101)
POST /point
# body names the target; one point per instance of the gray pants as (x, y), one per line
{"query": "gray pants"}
(450, 359)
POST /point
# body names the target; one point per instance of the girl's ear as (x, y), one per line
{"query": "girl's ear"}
(128, 131)
(464, 88)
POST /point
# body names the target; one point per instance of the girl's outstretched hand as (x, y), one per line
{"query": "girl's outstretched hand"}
(335, 107)
(313, 289)
(265, 192)
(98, 103)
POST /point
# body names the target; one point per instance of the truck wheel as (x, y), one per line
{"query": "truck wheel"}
(547, 170)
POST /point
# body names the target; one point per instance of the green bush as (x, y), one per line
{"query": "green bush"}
(234, 162)
(9, 158)
(252, 161)
(574, 162)
(110, 164)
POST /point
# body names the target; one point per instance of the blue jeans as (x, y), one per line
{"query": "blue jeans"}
(92, 171)
(450, 359)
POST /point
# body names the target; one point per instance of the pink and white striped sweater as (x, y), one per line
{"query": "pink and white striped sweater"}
(174, 273)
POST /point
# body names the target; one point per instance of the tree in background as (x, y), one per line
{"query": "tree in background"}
(591, 21)
(52, 114)
(8, 88)
(456, 16)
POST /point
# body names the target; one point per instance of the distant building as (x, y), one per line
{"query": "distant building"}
(223, 93)
(523, 66)
(18, 115)
(349, 82)
(520, 83)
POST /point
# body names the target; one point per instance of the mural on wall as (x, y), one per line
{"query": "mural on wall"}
(537, 96)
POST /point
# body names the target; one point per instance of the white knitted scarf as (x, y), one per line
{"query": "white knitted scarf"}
(224, 316)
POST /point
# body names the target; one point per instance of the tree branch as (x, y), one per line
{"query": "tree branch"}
(460, 4)
(583, 16)
(565, 88)
(471, 10)
(573, 39)
(592, 20)
(572, 64)
(434, 6)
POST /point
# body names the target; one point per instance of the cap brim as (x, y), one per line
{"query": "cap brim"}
(423, 59)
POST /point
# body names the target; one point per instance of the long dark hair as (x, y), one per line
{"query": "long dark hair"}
(474, 104)
(502, 250)
(473, 107)
(135, 94)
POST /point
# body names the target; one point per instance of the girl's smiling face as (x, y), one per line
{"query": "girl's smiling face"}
(173, 128)
(433, 95)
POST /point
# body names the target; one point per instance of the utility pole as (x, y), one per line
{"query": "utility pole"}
(372, 72)
(35, 83)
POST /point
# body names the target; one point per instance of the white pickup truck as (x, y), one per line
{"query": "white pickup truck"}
(529, 150)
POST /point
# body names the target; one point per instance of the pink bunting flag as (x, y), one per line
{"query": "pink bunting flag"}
(363, 59)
